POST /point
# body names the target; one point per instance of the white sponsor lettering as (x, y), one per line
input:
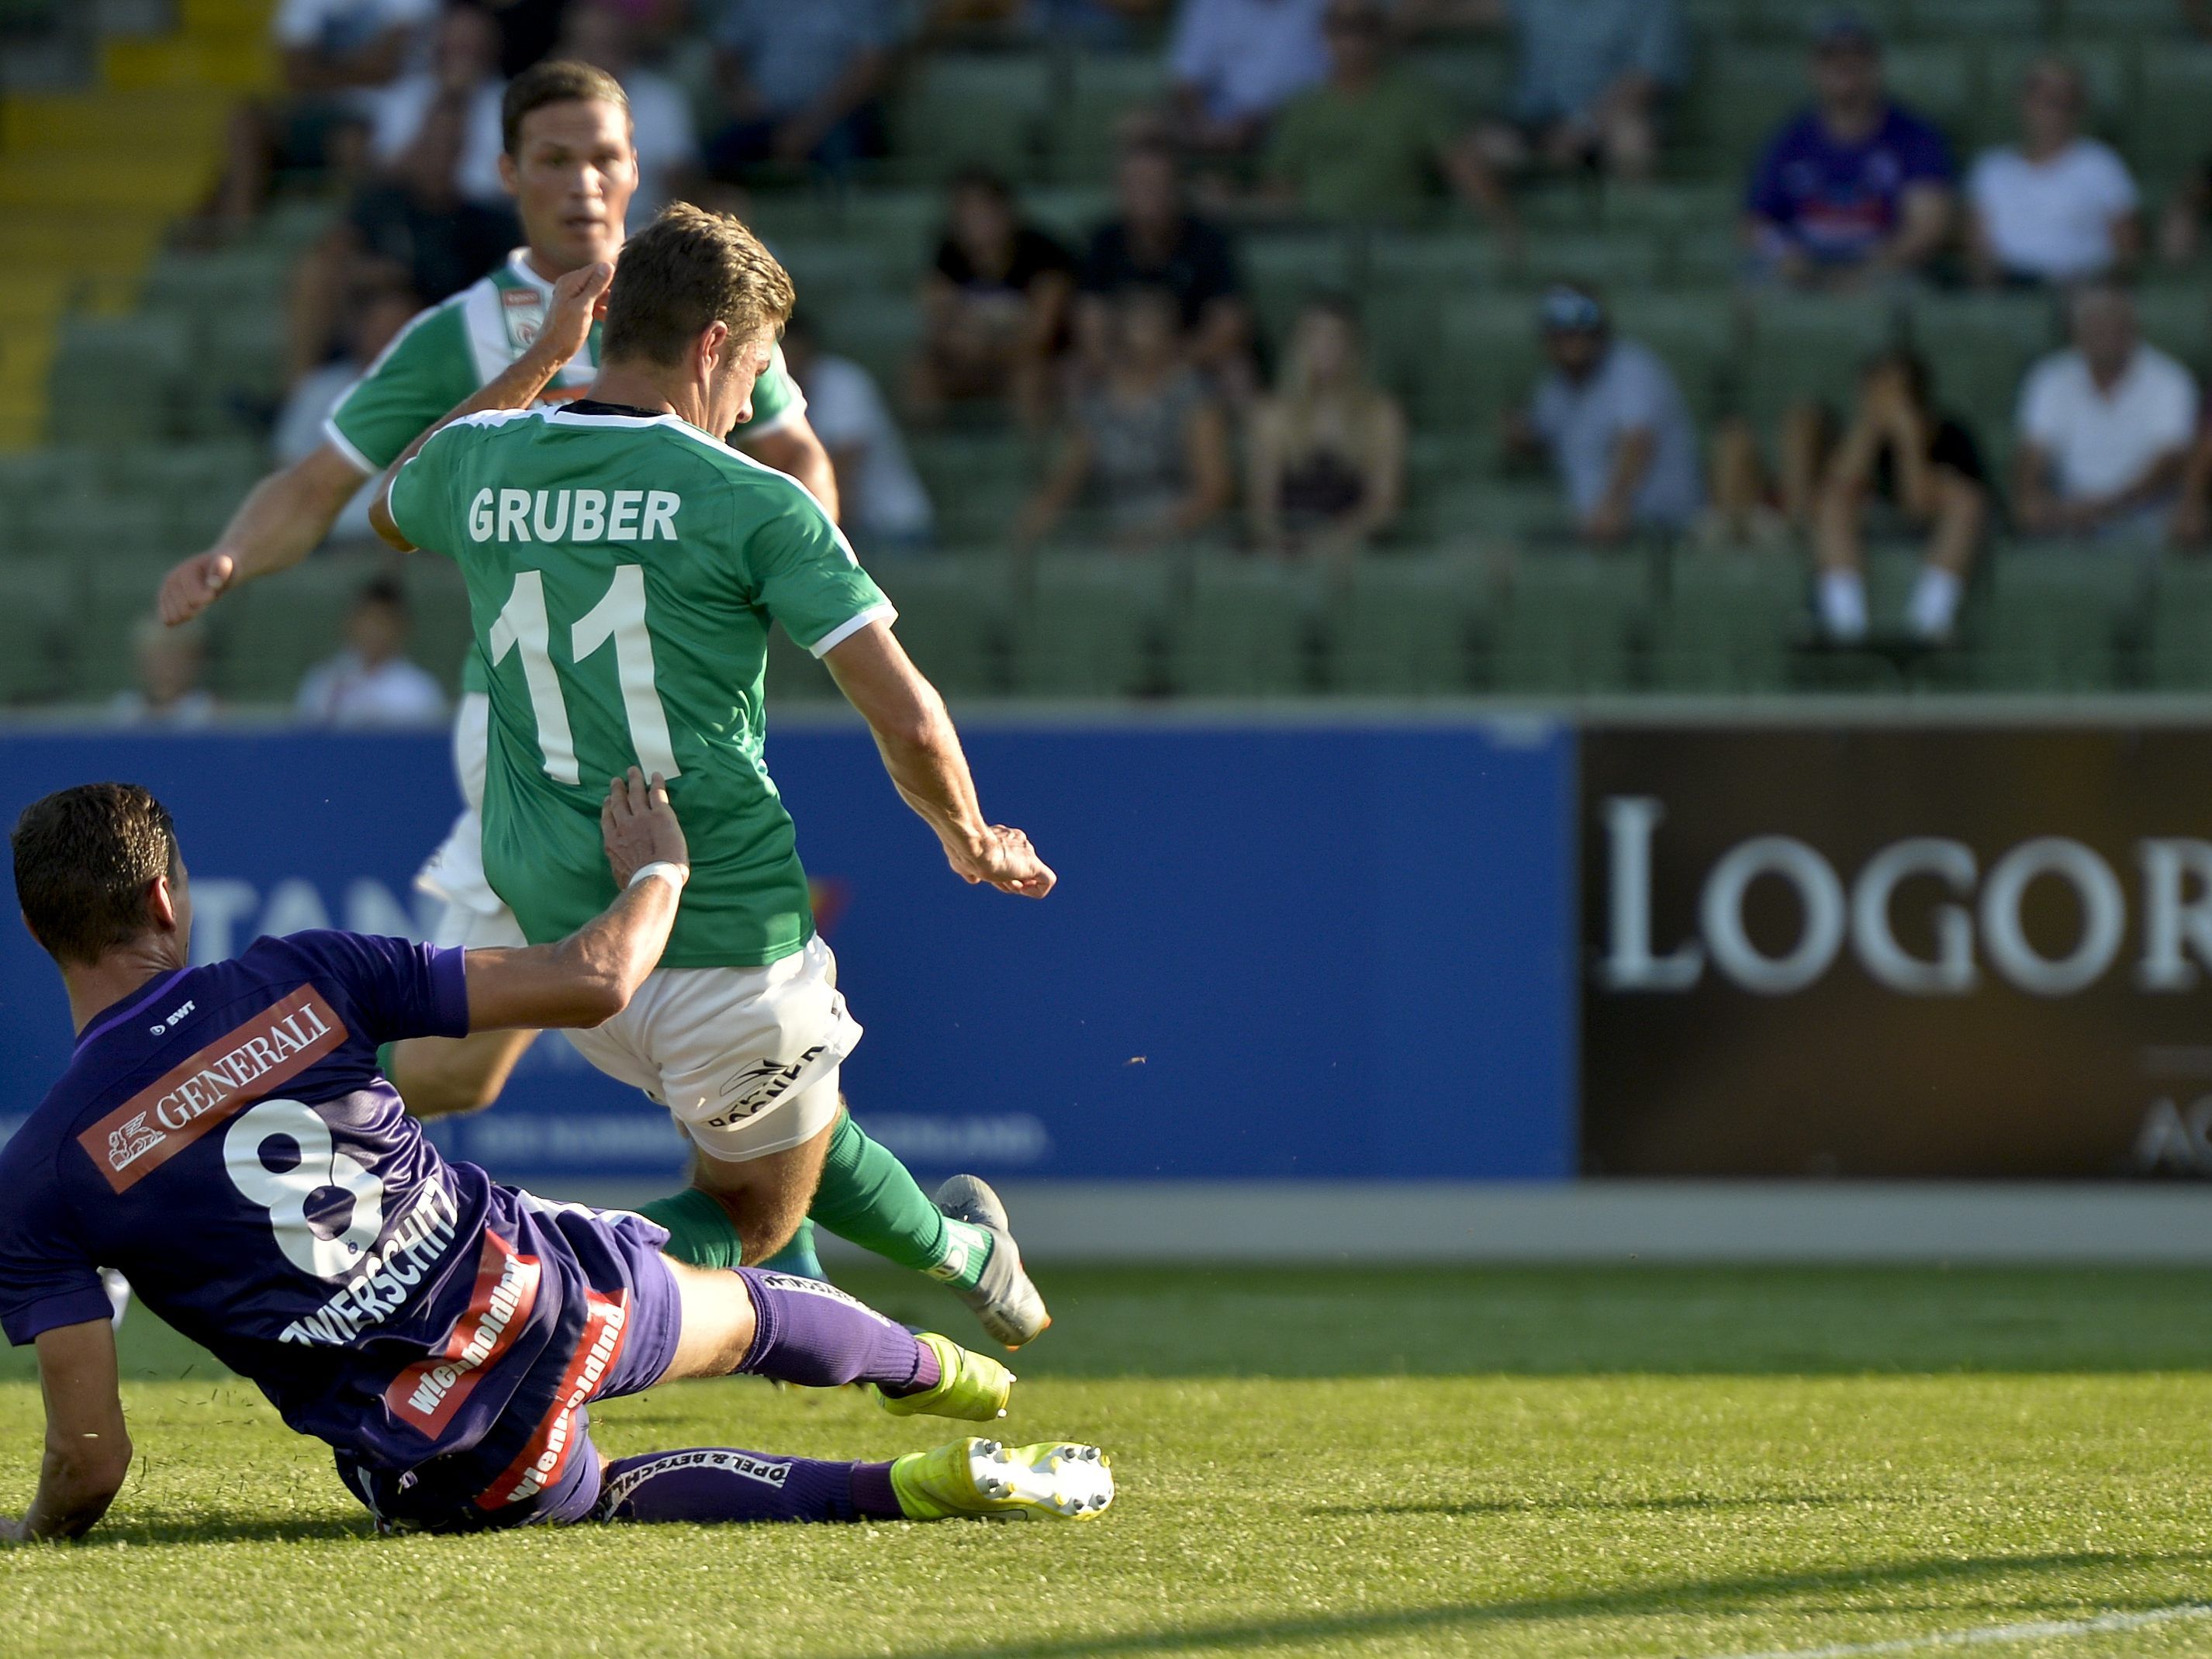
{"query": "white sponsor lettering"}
(1970, 929)
(386, 1279)
(575, 515)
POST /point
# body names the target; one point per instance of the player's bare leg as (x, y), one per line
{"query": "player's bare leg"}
(766, 1198)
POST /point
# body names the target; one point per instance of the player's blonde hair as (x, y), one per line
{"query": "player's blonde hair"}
(687, 270)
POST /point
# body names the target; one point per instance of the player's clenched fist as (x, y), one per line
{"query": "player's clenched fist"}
(1007, 862)
(194, 584)
(640, 828)
(579, 299)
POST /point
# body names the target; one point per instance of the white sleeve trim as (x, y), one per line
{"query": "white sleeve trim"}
(783, 420)
(836, 636)
(338, 441)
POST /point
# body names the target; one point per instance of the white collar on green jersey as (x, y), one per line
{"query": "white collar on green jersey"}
(518, 262)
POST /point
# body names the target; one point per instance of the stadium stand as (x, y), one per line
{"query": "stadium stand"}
(137, 375)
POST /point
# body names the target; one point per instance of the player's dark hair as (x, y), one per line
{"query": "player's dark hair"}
(84, 858)
(557, 81)
(382, 590)
(686, 270)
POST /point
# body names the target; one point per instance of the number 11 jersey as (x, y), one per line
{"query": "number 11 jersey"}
(623, 569)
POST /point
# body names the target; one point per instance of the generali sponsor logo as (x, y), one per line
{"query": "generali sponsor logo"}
(540, 1463)
(231, 1072)
(427, 1394)
(1974, 912)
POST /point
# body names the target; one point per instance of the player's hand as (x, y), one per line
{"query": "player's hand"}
(579, 299)
(194, 585)
(639, 827)
(1005, 861)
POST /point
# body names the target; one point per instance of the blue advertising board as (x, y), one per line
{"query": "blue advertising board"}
(1334, 950)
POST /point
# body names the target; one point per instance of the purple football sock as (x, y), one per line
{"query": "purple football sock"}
(813, 1333)
(717, 1483)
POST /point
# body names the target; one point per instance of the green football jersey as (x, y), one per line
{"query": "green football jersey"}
(623, 574)
(449, 352)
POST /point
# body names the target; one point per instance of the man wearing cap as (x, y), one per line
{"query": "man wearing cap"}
(1856, 184)
(1613, 422)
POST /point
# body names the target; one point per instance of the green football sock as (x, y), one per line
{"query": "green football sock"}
(700, 1231)
(867, 1198)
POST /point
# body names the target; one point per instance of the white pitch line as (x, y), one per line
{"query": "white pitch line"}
(1988, 1633)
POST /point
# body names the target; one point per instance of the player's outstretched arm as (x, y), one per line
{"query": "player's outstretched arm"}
(283, 519)
(87, 1454)
(922, 753)
(590, 976)
(579, 299)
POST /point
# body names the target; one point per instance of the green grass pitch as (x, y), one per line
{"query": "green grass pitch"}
(1526, 1462)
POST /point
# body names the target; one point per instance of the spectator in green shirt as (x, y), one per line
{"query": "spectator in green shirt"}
(1374, 140)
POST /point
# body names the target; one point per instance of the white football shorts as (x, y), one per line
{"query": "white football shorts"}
(746, 1059)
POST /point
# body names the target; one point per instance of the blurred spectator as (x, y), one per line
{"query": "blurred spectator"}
(169, 662)
(410, 229)
(378, 316)
(1372, 142)
(1594, 79)
(1613, 422)
(884, 505)
(994, 306)
(1903, 464)
(802, 83)
(1146, 445)
(1328, 448)
(530, 29)
(1100, 25)
(1235, 63)
(2057, 207)
(1156, 242)
(371, 684)
(462, 80)
(336, 56)
(2105, 428)
(1855, 184)
(604, 34)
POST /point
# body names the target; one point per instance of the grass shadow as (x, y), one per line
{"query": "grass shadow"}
(144, 1532)
(1691, 1501)
(1705, 1595)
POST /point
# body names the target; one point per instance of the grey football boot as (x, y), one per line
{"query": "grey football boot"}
(1004, 1300)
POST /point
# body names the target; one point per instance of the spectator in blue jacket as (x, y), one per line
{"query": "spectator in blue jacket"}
(1857, 185)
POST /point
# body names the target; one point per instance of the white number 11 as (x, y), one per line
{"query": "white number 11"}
(619, 617)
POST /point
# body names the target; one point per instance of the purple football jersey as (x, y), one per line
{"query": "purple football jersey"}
(223, 1137)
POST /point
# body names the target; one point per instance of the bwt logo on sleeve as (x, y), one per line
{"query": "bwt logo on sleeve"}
(1977, 918)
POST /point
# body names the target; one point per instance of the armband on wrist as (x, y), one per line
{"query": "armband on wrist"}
(674, 874)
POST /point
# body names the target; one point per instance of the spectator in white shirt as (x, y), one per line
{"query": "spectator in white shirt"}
(2057, 207)
(603, 35)
(463, 74)
(1235, 63)
(371, 685)
(2105, 428)
(168, 693)
(885, 506)
(337, 56)
(378, 315)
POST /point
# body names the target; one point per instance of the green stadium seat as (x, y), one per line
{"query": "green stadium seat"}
(438, 600)
(1477, 78)
(958, 109)
(1283, 269)
(1410, 627)
(1728, 622)
(1245, 628)
(1570, 622)
(1972, 22)
(1695, 334)
(1101, 90)
(114, 379)
(266, 636)
(1090, 626)
(952, 617)
(2177, 318)
(2178, 644)
(977, 480)
(1743, 94)
(113, 597)
(1812, 346)
(2153, 23)
(2058, 618)
(2165, 132)
(98, 526)
(1980, 347)
(35, 629)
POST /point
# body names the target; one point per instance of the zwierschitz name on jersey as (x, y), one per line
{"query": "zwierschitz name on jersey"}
(225, 1139)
